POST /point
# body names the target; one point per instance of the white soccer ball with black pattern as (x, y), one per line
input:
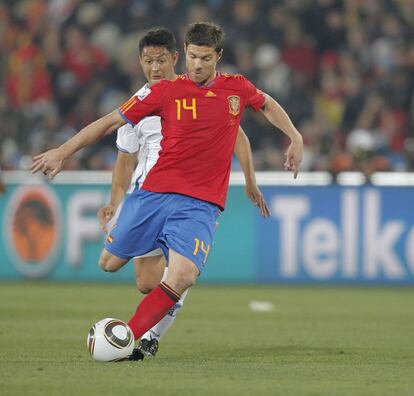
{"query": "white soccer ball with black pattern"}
(110, 340)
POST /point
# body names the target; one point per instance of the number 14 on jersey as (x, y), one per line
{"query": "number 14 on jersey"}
(183, 105)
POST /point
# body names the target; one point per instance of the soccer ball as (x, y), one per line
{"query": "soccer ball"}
(110, 340)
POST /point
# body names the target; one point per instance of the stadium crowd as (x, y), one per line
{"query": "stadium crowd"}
(343, 70)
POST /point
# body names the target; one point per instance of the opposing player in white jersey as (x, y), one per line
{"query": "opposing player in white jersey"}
(138, 152)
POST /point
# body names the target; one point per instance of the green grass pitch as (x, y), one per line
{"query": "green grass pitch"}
(317, 341)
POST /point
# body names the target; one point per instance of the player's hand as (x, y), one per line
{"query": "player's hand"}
(256, 196)
(294, 155)
(50, 162)
(104, 215)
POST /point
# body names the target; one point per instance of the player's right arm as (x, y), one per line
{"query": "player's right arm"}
(121, 179)
(51, 162)
(132, 111)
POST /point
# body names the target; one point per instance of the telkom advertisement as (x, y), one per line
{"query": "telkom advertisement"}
(329, 234)
(337, 234)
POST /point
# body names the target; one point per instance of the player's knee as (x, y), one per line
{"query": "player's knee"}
(147, 280)
(182, 272)
(188, 281)
(144, 289)
(106, 265)
(145, 286)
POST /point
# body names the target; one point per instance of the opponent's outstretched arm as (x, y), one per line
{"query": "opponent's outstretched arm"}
(51, 162)
(243, 153)
(121, 180)
(278, 117)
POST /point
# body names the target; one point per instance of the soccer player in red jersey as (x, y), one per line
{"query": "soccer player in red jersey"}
(185, 191)
(158, 56)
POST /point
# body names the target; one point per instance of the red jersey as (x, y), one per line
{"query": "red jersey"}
(199, 128)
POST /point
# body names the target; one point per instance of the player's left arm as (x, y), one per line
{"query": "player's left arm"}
(277, 116)
(244, 155)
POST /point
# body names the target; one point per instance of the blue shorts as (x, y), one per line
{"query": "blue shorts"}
(150, 220)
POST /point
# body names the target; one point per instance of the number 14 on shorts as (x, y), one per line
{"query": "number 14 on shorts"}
(200, 247)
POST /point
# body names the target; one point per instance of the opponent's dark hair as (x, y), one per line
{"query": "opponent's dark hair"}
(206, 34)
(158, 37)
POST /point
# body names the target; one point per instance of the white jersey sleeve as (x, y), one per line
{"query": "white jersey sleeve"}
(127, 139)
(143, 139)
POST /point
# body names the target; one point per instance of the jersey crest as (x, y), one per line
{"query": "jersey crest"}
(234, 104)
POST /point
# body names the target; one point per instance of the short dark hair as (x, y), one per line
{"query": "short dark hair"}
(206, 34)
(158, 37)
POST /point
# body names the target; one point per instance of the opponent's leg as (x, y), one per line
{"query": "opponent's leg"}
(182, 274)
(149, 271)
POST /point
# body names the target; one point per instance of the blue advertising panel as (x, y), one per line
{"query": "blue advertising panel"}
(51, 231)
(337, 234)
(329, 234)
(232, 257)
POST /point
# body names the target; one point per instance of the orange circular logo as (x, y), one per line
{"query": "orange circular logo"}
(33, 229)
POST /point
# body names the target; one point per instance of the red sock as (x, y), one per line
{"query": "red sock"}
(152, 309)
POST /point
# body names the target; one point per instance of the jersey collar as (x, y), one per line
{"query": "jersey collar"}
(209, 84)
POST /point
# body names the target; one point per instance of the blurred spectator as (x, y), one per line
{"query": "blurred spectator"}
(27, 79)
(344, 70)
(81, 57)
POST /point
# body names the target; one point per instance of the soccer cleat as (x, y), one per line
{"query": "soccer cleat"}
(136, 355)
(148, 347)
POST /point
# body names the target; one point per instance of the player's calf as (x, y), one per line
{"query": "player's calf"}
(182, 273)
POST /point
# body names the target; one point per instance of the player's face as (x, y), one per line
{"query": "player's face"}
(201, 62)
(158, 63)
